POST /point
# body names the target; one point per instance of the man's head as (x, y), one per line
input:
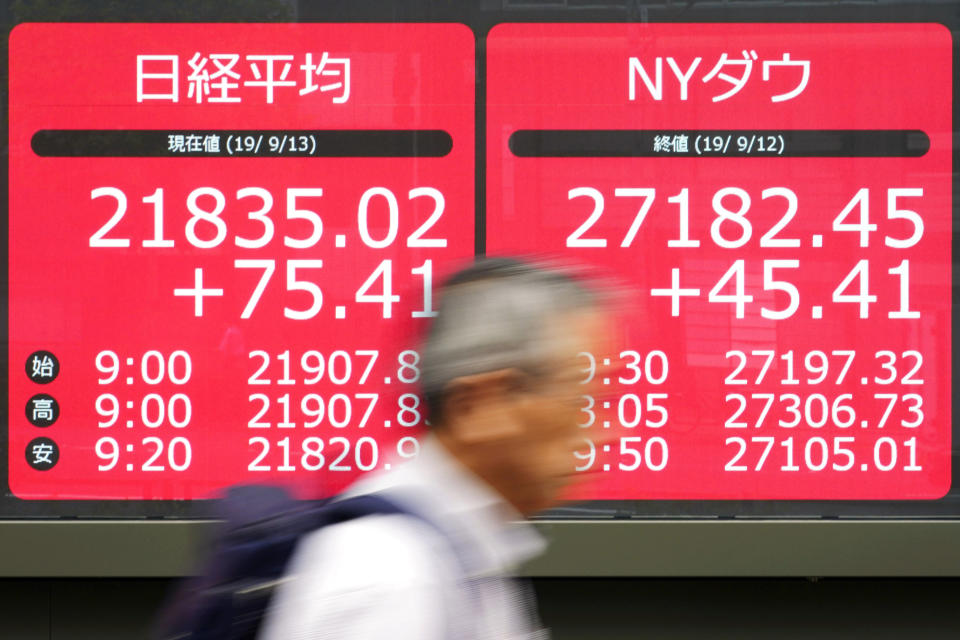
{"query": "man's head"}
(502, 376)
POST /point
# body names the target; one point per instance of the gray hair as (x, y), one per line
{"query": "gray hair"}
(494, 315)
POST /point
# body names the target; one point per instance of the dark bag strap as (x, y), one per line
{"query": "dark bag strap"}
(266, 512)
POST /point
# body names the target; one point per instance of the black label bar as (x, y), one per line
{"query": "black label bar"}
(737, 143)
(149, 143)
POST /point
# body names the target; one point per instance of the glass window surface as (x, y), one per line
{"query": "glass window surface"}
(225, 220)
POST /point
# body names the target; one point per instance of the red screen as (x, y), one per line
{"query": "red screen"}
(775, 201)
(223, 240)
(222, 237)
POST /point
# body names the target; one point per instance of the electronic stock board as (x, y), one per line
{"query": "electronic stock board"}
(223, 240)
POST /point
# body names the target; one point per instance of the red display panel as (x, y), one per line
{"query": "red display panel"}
(221, 238)
(775, 201)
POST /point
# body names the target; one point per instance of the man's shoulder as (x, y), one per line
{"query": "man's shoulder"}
(375, 576)
(376, 548)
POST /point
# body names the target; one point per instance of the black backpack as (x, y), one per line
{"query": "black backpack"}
(249, 555)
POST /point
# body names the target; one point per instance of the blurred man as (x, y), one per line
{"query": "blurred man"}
(501, 378)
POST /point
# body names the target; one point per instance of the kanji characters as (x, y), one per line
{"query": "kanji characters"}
(268, 77)
(193, 143)
(211, 143)
(199, 78)
(663, 143)
(175, 143)
(42, 454)
(220, 78)
(157, 70)
(216, 78)
(327, 68)
(42, 409)
(42, 367)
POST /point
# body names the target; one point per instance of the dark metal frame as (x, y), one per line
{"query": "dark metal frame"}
(722, 538)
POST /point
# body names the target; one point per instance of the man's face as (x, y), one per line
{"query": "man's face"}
(549, 411)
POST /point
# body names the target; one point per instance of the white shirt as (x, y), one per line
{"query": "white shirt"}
(397, 577)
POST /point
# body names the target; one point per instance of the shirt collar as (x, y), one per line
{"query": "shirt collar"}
(495, 535)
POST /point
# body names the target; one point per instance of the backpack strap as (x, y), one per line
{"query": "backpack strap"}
(382, 504)
(258, 535)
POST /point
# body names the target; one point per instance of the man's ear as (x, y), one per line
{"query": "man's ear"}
(479, 407)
